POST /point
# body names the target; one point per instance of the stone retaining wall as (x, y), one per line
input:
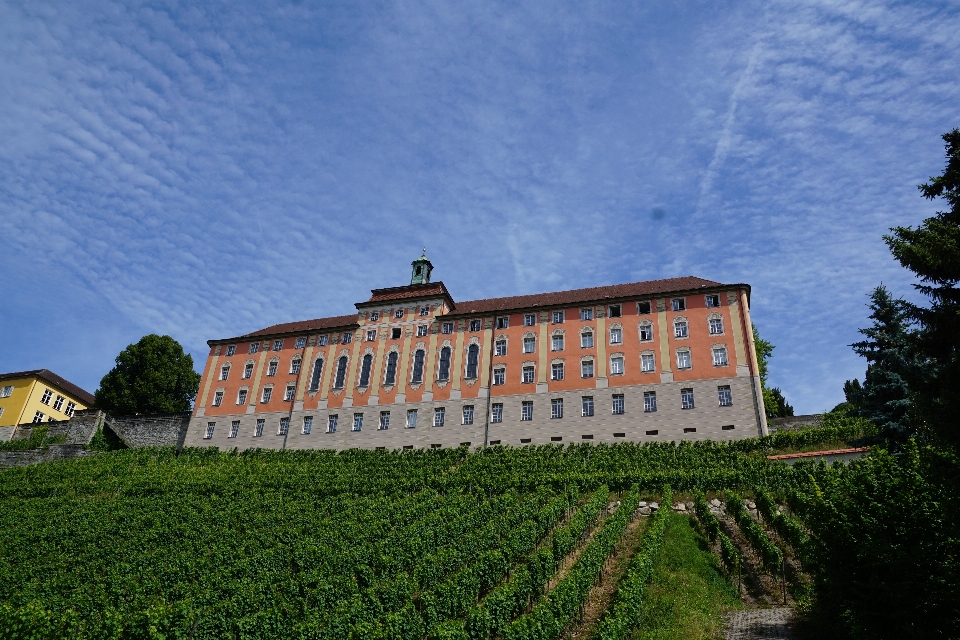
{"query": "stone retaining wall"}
(163, 430)
(50, 454)
(792, 423)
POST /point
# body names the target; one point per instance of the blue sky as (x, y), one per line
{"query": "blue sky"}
(204, 171)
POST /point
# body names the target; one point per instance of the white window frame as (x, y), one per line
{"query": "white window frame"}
(234, 429)
(346, 337)
(646, 332)
(725, 396)
(357, 422)
(209, 431)
(649, 401)
(467, 414)
(496, 412)
(398, 314)
(684, 360)
(272, 367)
(289, 393)
(295, 363)
(681, 329)
(475, 325)
(267, 395)
(411, 419)
(556, 342)
(716, 326)
(38, 417)
(530, 341)
(231, 350)
(503, 322)
(217, 398)
(616, 335)
(617, 314)
(242, 395)
(709, 299)
(687, 399)
(371, 335)
(558, 317)
(421, 331)
(529, 319)
(500, 348)
(300, 343)
(332, 423)
(446, 328)
(614, 362)
(678, 304)
(439, 416)
(384, 421)
(586, 314)
(556, 371)
(526, 411)
(374, 316)
(499, 376)
(254, 348)
(648, 363)
(307, 425)
(523, 374)
(556, 408)
(47, 397)
(284, 427)
(225, 372)
(258, 430)
(424, 312)
(247, 371)
(58, 403)
(322, 340)
(584, 373)
(278, 344)
(71, 405)
(6, 391)
(618, 404)
(586, 406)
(720, 357)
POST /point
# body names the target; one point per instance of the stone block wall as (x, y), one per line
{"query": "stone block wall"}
(52, 453)
(163, 430)
(793, 423)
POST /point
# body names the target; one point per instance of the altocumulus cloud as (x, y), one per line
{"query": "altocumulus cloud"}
(206, 171)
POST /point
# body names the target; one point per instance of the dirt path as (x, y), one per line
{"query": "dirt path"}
(760, 624)
(613, 570)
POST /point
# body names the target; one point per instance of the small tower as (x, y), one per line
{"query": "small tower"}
(421, 269)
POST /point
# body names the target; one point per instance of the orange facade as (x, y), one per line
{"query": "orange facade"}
(413, 350)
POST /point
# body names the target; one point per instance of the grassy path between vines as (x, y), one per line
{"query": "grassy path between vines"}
(688, 593)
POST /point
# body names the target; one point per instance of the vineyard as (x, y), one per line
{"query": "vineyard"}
(499, 543)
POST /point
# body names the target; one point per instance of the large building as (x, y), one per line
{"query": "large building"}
(661, 360)
(38, 396)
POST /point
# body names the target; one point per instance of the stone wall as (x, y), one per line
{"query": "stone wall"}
(162, 430)
(52, 453)
(792, 423)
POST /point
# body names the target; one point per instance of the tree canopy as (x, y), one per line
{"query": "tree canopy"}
(152, 376)
(775, 405)
(932, 252)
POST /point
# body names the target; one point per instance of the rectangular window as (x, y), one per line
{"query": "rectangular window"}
(254, 347)
(374, 316)
(646, 362)
(38, 417)
(558, 317)
(234, 429)
(683, 360)
(58, 403)
(644, 307)
(398, 314)
(615, 311)
(288, 393)
(300, 343)
(322, 341)
(556, 408)
(277, 345)
(475, 325)
(468, 414)
(307, 425)
(232, 349)
(586, 314)
(218, 398)
(586, 369)
(503, 322)
(678, 304)
(411, 419)
(526, 410)
(209, 432)
(267, 394)
(716, 326)
(529, 319)
(224, 372)
(618, 404)
(587, 406)
(295, 366)
(713, 300)
(248, 371)
(372, 335)
(720, 357)
(357, 421)
(438, 416)
(421, 330)
(496, 412)
(332, 424)
(272, 368)
(384, 420)
(686, 398)
(646, 333)
(500, 348)
(396, 333)
(242, 396)
(680, 329)
(346, 338)
(284, 426)
(528, 374)
(258, 430)
(728, 427)
(47, 395)
(616, 336)
(556, 371)
(725, 397)
(446, 328)
(586, 340)
(529, 345)
(6, 391)
(557, 344)
(649, 401)
(70, 407)
(424, 312)
(499, 376)
(616, 366)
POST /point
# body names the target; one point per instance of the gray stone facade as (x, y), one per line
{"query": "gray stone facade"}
(707, 420)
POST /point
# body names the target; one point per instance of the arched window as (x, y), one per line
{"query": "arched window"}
(472, 352)
(341, 373)
(225, 371)
(418, 366)
(444, 373)
(365, 370)
(391, 369)
(317, 372)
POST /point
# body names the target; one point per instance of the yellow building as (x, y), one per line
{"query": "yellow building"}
(39, 396)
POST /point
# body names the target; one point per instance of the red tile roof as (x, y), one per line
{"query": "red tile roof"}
(54, 380)
(302, 326)
(580, 296)
(431, 289)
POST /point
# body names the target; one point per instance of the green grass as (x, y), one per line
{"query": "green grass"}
(688, 593)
